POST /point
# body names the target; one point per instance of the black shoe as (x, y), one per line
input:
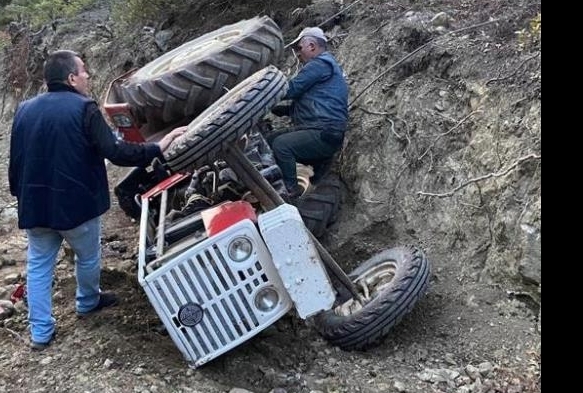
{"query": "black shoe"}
(320, 171)
(105, 300)
(295, 192)
(36, 346)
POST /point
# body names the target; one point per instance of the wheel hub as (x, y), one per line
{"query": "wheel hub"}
(370, 283)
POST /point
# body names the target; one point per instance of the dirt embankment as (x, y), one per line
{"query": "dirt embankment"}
(443, 151)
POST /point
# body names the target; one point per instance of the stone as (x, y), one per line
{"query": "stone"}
(6, 309)
(441, 19)
(13, 278)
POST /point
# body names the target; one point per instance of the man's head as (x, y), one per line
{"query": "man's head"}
(65, 66)
(310, 43)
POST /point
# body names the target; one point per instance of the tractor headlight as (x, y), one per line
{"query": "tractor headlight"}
(267, 299)
(240, 249)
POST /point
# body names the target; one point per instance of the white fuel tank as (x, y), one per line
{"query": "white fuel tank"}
(297, 260)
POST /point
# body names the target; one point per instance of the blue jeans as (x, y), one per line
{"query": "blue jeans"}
(43, 247)
(304, 146)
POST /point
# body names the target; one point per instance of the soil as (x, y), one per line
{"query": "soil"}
(443, 151)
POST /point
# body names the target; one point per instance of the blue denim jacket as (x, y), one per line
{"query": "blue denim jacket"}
(320, 95)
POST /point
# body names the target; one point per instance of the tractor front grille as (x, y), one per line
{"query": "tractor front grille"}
(207, 301)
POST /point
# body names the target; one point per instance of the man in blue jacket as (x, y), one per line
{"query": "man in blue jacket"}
(319, 110)
(57, 172)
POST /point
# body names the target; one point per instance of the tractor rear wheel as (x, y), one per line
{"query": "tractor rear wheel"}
(182, 83)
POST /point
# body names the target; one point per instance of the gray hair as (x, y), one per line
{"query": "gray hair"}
(60, 65)
(320, 43)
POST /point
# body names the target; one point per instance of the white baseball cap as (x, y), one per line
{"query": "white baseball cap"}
(315, 32)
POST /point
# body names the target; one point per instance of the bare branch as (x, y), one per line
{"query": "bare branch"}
(419, 49)
(515, 71)
(373, 112)
(3, 102)
(393, 129)
(407, 135)
(482, 178)
(471, 205)
(15, 334)
(462, 121)
(518, 102)
(430, 162)
(388, 70)
(9, 206)
(343, 10)
(399, 137)
(443, 115)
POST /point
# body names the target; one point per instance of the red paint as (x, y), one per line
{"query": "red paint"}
(221, 217)
(165, 185)
(131, 133)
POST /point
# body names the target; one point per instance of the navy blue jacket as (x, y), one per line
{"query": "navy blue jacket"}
(57, 171)
(320, 95)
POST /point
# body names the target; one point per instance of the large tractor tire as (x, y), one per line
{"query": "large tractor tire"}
(182, 83)
(227, 120)
(320, 204)
(126, 190)
(394, 280)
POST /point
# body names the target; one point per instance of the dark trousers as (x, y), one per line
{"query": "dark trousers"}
(304, 146)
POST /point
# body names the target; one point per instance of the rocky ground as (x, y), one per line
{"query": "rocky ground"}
(444, 152)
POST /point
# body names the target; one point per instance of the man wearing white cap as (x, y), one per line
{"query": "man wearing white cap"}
(319, 110)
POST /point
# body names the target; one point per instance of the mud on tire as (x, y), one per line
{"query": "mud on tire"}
(227, 120)
(403, 274)
(185, 81)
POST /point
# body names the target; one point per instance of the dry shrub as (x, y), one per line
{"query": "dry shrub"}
(143, 12)
(4, 40)
(39, 12)
(17, 49)
(531, 36)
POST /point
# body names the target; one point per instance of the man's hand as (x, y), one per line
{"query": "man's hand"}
(168, 138)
